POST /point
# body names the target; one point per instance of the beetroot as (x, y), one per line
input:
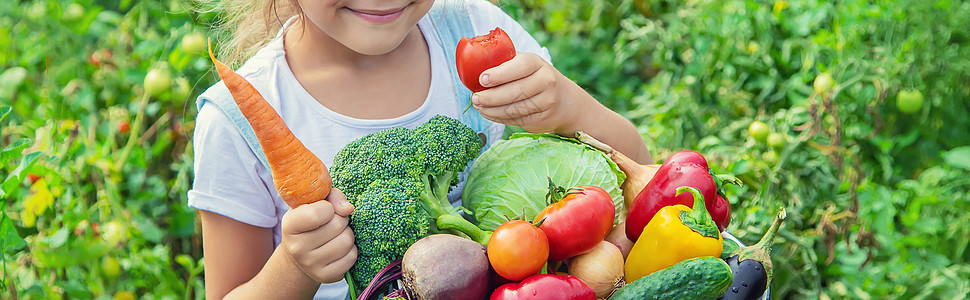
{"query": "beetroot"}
(444, 266)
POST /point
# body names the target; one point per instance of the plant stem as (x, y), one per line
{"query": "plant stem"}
(456, 224)
(134, 134)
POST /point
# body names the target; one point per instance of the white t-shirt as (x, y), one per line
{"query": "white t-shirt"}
(231, 181)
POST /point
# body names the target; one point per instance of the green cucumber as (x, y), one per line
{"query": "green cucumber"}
(704, 277)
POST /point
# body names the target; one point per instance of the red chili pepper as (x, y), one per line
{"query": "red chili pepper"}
(684, 168)
(545, 286)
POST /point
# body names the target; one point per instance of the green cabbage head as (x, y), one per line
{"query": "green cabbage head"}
(511, 179)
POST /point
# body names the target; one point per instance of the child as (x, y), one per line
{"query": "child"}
(336, 71)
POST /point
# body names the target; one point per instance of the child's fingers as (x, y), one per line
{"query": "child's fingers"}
(518, 112)
(520, 66)
(335, 271)
(327, 236)
(341, 205)
(307, 217)
(513, 92)
(335, 248)
(330, 231)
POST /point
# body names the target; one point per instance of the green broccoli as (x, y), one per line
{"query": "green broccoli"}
(398, 179)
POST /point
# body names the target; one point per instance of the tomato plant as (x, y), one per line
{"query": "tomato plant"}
(776, 140)
(157, 80)
(73, 12)
(114, 233)
(32, 178)
(909, 101)
(759, 131)
(577, 222)
(517, 249)
(100, 57)
(182, 89)
(110, 267)
(823, 83)
(66, 95)
(193, 43)
(124, 127)
(480, 53)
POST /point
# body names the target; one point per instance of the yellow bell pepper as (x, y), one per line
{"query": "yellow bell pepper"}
(674, 234)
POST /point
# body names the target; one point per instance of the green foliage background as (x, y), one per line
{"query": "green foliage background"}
(878, 200)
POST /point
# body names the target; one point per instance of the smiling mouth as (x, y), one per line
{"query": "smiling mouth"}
(378, 16)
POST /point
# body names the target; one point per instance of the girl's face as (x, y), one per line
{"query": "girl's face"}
(370, 27)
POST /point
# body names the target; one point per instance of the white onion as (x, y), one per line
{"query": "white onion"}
(601, 268)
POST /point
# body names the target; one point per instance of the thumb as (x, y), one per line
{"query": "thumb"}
(341, 206)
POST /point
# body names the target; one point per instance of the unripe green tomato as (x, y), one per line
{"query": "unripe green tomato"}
(124, 295)
(157, 80)
(37, 11)
(73, 12)
(193, 43)
(759, 131)
(114, 233)
(110, 267)
(178, 7)
(182, 89)
(776, 141)
(909, 101)
(752, 47)
(823, 83)
(770, 157)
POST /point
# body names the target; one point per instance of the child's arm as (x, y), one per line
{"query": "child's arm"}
(529, 92)
(240, 261)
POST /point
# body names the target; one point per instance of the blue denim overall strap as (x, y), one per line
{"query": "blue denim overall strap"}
(452, 22)
(221, 97)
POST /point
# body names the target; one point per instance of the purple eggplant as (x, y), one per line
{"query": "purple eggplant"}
(751, 266)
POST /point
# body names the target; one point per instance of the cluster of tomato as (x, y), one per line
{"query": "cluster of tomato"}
(518, 250)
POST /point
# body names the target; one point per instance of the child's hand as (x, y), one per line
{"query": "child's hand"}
(318, 239)
(530, 93)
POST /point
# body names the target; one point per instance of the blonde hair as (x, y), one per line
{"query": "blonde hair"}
(247, 25)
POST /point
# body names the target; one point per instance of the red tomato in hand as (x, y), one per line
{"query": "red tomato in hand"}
(545, 286)
(480, 53)
(517, 249)
(578, 222)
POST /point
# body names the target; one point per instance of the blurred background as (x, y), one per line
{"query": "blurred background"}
(851, 114)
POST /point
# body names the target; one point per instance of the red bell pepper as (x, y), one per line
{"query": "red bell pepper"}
(545, 286)
(684, 168)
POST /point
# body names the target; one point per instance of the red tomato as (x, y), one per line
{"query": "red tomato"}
(31, 177)
(480, 53)
(545, 286)
(578, 222)
(517, 249)
(124, 127)
(100, 57)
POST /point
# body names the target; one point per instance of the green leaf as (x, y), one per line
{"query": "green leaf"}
(58, 239)
(13, 179)
(149, 230)
(4, 110)
(958, 157)
(10, 240)
(10, 80)
(10, 152)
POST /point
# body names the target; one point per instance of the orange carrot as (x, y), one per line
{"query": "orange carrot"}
(299, 175)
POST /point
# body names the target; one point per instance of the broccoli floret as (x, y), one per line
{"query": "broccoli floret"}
(398, 180)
